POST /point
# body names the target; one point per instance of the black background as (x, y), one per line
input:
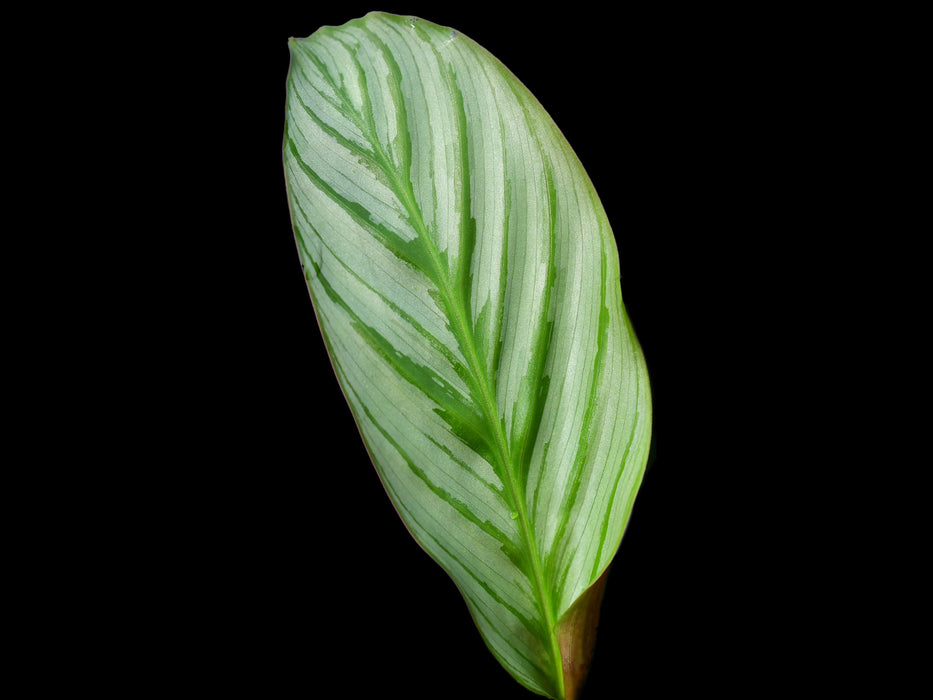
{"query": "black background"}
(272, 563)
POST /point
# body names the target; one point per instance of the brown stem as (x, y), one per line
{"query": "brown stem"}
(576, 635)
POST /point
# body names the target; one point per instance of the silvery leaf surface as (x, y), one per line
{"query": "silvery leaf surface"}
(466, 282)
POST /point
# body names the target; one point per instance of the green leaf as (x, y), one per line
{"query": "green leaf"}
(466, 282)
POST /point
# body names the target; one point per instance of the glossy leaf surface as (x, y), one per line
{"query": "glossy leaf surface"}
(466, 282)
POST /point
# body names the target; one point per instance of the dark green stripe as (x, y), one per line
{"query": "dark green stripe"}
(409, 251)
(604, 526)
(433, 341)
(344, 108)
(400, 175)
(456, 504)
(543, 680)
(496, 338)
(585, 439)
(533, 625)
(463, 277)
(369, 123)
(354, 148)
(539, 676)
(402, 170)
(456, 410)
(321, 66)
(539, 384)
(497, 492)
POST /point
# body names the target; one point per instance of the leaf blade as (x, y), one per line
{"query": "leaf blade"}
(466, 281)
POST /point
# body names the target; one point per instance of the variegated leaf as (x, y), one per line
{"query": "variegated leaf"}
(466, 281)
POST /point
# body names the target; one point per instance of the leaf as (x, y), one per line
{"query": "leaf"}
(466, 282)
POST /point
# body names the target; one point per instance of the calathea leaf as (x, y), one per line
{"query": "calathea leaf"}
(466, 281)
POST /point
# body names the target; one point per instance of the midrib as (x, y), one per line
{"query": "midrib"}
(463, 332)
(455, 307)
